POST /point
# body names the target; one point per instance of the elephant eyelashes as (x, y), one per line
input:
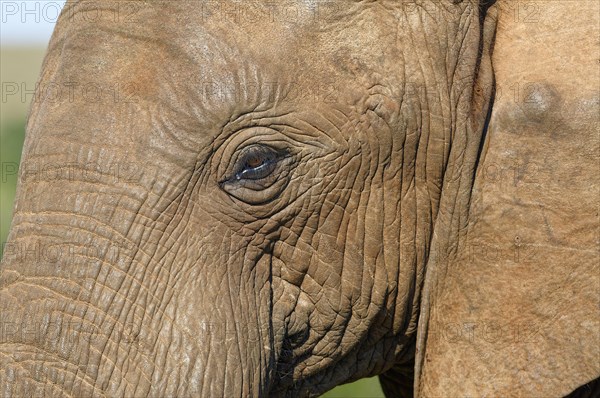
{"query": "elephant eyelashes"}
(258, 174)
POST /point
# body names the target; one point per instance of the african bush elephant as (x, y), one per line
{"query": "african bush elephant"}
(271, 199)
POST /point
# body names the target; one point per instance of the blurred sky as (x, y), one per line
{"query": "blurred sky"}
(28, 22)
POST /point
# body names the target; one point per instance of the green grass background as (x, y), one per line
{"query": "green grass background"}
(22, 65)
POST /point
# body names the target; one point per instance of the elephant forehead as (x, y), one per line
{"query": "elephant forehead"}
(303, 43)
(200, 43)
(211, 60)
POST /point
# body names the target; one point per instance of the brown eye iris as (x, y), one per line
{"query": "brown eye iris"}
(255, 161)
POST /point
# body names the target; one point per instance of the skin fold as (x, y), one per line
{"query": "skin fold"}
(257, 200)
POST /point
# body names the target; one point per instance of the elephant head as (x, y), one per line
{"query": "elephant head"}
(235, 199)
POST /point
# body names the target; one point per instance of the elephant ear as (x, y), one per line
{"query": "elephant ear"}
(512, 288)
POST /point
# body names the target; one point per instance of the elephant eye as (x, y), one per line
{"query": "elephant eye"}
(256, 162)
(258, 174)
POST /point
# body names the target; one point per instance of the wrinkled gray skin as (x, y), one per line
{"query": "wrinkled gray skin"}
(262, 201)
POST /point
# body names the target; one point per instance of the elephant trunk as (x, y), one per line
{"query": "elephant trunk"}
(105, 290)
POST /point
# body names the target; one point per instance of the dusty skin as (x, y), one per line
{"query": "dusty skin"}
(246, 199)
